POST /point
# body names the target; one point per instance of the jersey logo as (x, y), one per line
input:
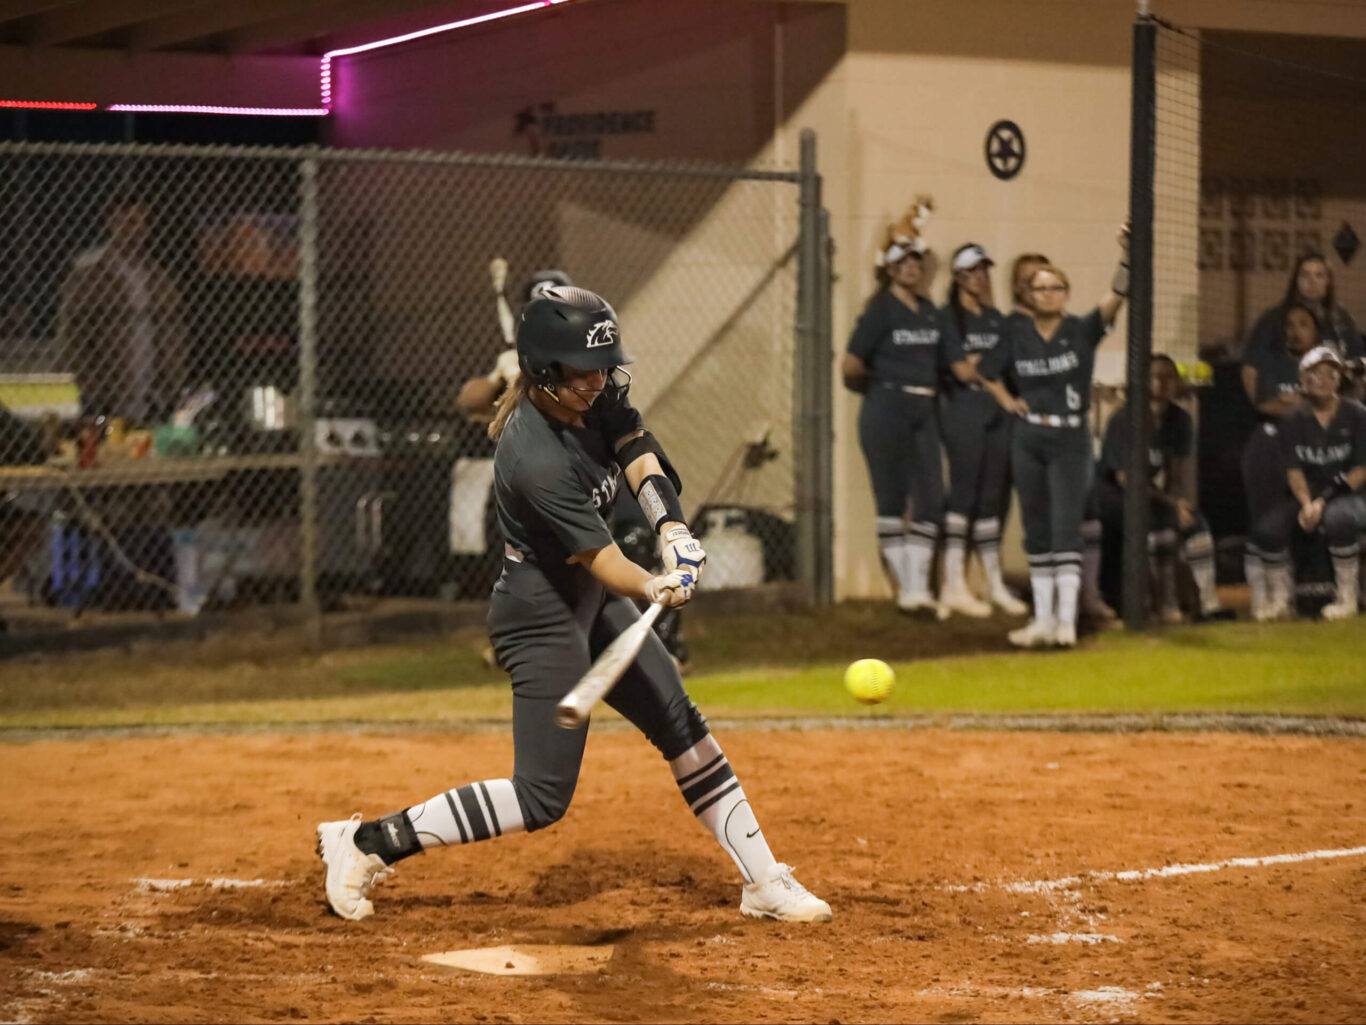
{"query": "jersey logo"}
(604, 332)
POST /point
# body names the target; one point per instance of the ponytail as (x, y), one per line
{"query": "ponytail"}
(507, 402)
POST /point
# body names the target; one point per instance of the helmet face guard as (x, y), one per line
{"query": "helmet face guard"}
(568, 326)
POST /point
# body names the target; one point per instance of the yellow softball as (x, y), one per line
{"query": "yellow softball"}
(870, 680)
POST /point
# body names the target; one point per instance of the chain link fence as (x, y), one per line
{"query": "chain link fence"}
(231, 377)
(1257, 173)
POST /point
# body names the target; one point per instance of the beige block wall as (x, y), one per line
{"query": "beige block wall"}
(907, 111)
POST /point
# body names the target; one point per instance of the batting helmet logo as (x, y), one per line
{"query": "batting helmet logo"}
(604, 332)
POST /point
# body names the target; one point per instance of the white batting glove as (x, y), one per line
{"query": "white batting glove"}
(506, 369)
(670, 589)
(680, 550)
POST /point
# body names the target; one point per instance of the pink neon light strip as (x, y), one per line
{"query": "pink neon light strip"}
(324, 77)
(47, 105)
(161, 108)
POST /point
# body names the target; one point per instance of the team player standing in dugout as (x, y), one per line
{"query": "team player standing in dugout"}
(895, 358)
(977, 441)
(1046, 360)
(566, 435)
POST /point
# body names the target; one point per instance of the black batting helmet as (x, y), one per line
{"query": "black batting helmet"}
(539, 280)
(568, 326)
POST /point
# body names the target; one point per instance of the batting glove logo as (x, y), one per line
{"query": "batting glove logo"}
(681, 551)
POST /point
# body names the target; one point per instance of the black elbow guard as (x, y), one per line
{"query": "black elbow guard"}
(639, 446)
(659, 501)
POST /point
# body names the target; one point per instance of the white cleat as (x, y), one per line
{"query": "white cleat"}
(1340, 610)
(776, 894)
(920, 604)
(351, 873)
(1065, 635)
(1170, 615)
(1034, 634)
(965, 603)
(1008, 603)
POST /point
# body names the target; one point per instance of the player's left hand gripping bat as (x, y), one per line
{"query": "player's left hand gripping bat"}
(575, 707)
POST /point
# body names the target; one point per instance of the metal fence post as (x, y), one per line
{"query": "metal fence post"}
(825, 443)
(308, 393)
(810, 404)
(1138, 427)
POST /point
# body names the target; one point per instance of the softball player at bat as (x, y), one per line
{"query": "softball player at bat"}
(1048, 358)
(977, 441)
(1323, 442)
(894, 359)
(566, 436)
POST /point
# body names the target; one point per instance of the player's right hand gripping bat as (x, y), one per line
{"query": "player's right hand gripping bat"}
(498, 272)
(575, 707)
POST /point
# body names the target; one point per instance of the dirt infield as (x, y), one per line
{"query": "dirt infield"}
(974, 877)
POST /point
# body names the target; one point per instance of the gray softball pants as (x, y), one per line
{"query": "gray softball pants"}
(546, 638)
(1052, 467)
(977, 440)
(899, 434)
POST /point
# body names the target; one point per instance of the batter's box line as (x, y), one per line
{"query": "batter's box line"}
(1165, 872)
(168, 885)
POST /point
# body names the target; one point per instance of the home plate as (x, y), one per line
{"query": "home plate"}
(531, 959)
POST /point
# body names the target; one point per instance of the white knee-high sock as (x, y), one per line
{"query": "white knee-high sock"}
(1162, 551)
(955, 552)
(1199, 552)
(1041, 580)
(476, 811)
(715, 796)
(1068, 571)
(986, 538)
(1255, 572)
(920, 544)
(891, 541)
(1346, 570)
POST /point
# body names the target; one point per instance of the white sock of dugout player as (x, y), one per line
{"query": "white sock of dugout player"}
(1255, 573)
(891, 541)
(1162, 550)
(1041, 581)
(1067, 569)
(920, 558)
(1199, 552)
(714, 794)
(986, 537)
(1280, 588)
(1346, 573)
(1091, 532)
(955, 551)
(476, 811)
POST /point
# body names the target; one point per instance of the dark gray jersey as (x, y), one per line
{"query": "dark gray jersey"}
(1323, 452)
(981, 333)
(554, 485)
(1053, 376)
(902, 346)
